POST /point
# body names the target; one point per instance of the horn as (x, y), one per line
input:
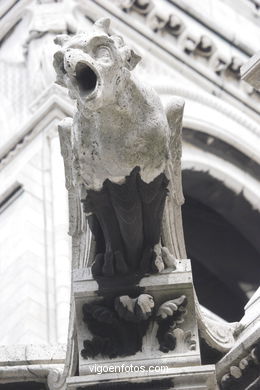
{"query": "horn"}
(102, 25)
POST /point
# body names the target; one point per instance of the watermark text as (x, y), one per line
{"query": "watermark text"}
(117, 369)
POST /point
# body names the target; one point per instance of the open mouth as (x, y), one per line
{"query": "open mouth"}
(86, 78)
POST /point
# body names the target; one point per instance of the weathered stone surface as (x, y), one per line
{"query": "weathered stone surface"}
(32, 354)
(250, 72)
(120, 123)
(171, 337)
(120, 150)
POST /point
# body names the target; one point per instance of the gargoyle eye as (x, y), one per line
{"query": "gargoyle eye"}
(103, 53)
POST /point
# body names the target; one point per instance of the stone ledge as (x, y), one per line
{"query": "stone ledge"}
(250, 72)
(242, 348)
(84, 284)
(199, 377)
(19, 355)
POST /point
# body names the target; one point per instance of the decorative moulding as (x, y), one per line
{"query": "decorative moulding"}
(250, 72)
(52, 109)
(162, 288)
(164, 20)
(240, 366)
(30, 362)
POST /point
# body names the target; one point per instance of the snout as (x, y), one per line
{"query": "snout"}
(86, 77)
(82, 72)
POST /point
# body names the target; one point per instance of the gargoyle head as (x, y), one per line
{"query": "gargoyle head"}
(94, 66)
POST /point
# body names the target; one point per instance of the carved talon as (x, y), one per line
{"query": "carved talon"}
(157, 265)
(163, 259)
(152, 261)
(168, 259)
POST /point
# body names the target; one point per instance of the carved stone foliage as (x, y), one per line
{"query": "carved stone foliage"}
(118, 329)
(141, 6)
(250, 72)
(118, 326)
(169, 316)
(246, 371)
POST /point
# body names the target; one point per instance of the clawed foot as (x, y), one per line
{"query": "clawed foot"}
(156, 259)
(134, 309)
(163, 259)
(109, 264)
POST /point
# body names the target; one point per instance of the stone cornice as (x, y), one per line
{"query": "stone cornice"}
(22, 363)
(240, 366)
(246, 9)
(18, 355)
(190, 43)
(182, 36)
(250, 72)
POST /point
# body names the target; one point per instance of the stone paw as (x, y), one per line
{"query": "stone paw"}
(157, 264)
(169, 260)
(163, 259)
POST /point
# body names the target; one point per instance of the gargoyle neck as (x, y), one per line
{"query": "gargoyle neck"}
(128, 98)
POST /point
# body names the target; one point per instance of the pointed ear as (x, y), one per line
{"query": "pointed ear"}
(58, 64)
(102, 25)
(132, 59)
(61, 39)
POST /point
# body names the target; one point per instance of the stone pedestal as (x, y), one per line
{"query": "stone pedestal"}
(180, 366)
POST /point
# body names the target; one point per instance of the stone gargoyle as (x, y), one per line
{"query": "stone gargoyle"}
(122, 155)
